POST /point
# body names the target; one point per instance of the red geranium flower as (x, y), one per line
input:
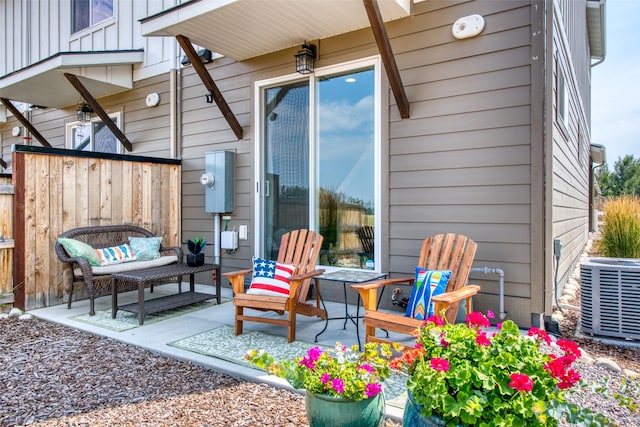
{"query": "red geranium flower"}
(477, 319)
(569, 347)
(483, 340)
(521, 382)
(539, 333)
(436, 320)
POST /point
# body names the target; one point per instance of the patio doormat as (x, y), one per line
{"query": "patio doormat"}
(222, 343)
(125, 320)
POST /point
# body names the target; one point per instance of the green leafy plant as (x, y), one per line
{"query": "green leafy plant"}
(196, 245)
(343, 372)
(628, 394)
(465, 376)
(620, 235)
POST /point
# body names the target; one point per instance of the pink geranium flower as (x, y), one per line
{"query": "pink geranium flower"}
(438, 364)
(338, 385)
(366, 367)
(372, 390)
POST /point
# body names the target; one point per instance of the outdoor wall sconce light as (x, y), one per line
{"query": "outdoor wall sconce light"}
(203, 54)
(209, 97)
(305, 58)
(84, 113)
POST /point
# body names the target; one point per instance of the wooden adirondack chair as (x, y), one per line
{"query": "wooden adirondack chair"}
(298, 247)
(441, 252)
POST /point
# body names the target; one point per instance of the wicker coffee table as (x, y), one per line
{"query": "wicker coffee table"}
(145, 277)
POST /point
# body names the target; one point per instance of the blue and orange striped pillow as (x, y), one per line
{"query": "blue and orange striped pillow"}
(427, 283)
(115, 255)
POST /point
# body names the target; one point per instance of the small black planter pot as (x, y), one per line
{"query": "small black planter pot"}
(195, 260)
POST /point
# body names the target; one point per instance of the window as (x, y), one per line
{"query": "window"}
(94, 136)
(563, 99)
(581, 144)
(86, 13)
(318, 152)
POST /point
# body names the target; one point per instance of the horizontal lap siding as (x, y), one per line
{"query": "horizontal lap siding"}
(571, 138)
(462, 162)
(204, 129)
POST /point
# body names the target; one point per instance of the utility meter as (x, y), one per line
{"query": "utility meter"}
(207, 179)
(218, 181)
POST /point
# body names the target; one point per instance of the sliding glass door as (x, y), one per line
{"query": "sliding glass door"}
(286, 162)
(318, 163)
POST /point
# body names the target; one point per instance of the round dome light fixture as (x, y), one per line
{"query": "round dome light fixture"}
(153, 99)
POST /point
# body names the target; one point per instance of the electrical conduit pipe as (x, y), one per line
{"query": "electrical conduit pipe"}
(487, 270)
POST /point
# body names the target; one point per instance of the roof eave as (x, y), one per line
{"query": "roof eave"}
(596, 28)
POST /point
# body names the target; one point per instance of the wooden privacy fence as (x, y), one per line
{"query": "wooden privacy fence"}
(6, 239)
(56, 190)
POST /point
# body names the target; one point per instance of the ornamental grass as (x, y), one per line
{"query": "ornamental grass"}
(620, 234)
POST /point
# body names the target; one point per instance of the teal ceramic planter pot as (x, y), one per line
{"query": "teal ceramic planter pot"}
(328, 411)
(413, 418)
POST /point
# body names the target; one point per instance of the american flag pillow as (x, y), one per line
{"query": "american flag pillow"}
(270, 278)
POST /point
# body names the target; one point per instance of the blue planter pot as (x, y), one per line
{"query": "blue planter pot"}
(413, 418)
(328, 411)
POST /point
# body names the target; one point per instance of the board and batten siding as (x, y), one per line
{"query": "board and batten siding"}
(55, 192)
(31, 31)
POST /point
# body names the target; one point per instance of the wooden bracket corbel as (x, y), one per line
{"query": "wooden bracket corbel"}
(389, 61)
(26, 123)
(208, 82)
(89, 99)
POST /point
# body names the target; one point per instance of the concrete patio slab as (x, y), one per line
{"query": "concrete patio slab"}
(156, 336)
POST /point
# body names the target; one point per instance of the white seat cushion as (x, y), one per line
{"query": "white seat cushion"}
(128, 266)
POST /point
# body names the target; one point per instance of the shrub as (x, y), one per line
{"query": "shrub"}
(465, 376)
(346, 372)
(621, 229)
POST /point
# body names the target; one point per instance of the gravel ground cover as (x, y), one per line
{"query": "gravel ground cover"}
(53, 375)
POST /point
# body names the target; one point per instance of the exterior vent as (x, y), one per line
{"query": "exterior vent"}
(610, 297)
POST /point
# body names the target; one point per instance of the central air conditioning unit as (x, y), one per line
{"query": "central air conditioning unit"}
(610, 297)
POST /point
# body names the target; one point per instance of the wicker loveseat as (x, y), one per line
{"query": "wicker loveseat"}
(97, 279)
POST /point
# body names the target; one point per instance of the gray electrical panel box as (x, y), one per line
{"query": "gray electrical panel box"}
(218, 181)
